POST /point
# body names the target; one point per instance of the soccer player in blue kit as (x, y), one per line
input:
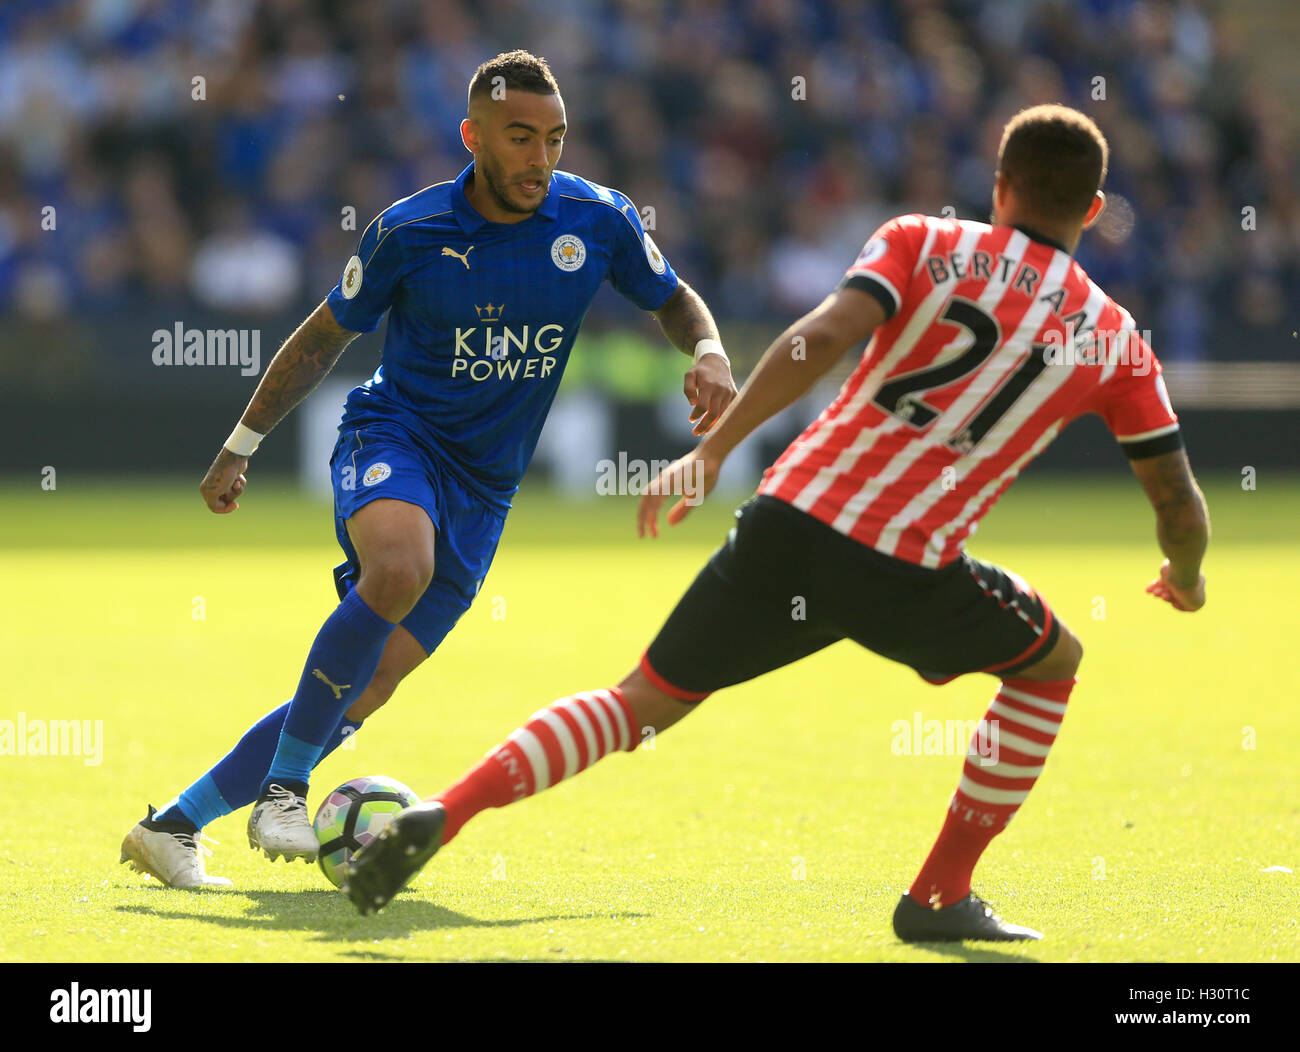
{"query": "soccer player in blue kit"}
(486, 280)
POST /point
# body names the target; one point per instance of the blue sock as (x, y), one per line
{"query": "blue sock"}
(233, 783)
(340, 665)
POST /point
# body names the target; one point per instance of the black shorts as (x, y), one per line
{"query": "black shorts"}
(784, 585)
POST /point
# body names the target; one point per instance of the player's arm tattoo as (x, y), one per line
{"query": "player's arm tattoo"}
(1182, 519)
(1174, 490)
(299, 365)
(686, 320)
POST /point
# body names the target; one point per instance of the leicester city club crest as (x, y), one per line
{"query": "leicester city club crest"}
(568, 252)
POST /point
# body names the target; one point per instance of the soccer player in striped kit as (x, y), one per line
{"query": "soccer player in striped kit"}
(985, 341)
(486, 279)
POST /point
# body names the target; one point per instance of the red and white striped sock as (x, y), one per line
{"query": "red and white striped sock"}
(1003, 761)
(560, 740)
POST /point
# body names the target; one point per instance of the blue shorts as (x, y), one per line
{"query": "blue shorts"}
(384, 462)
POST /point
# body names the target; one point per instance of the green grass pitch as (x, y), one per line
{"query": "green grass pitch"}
(775, 824)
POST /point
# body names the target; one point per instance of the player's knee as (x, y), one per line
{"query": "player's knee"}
(1062, 663)
(373, 698)
(1069, 653)
(403, 654)
(392, 586)
(653, 707)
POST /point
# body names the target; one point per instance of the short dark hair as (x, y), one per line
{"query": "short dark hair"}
(518, 70)
(1055, 157)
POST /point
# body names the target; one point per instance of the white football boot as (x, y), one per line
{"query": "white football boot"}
(280, 828)
(171, 853)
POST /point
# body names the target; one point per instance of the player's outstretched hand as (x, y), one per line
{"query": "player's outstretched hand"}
(224, 482)
(692, 478)
(710, 389)
(1187, 599)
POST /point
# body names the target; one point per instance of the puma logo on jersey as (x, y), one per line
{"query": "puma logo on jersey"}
(336, 688)
(463, 258)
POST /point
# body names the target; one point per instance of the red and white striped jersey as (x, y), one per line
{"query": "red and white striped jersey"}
(995, 340)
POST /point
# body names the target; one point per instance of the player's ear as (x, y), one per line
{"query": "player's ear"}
(1000, 186)
(469, 134)
(1095, 210)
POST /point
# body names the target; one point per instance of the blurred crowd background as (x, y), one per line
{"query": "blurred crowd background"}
(761, 198)
(209, 164)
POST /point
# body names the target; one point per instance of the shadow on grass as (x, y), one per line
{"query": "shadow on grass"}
(327, 916)
(976, 953)
(362, 955)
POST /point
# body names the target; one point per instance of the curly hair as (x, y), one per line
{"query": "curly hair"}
(516, 70)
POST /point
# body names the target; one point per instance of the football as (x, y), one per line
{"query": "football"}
(352, 815)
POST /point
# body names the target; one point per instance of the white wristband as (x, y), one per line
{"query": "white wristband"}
(710, 347)
(243, 441)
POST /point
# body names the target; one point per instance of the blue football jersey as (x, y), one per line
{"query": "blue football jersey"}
(483, 315)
